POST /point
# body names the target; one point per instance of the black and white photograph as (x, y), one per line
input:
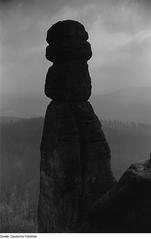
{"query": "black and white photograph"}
(75, 117)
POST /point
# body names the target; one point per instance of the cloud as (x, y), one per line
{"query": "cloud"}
(146, 4)
(117, 30)
(129, 66)
(107, 46)
(68, 12)
(6, 1)
(143, 9)
(1, 52)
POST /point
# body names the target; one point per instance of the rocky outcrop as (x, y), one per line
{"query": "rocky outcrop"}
(127, 206)
(75, 157)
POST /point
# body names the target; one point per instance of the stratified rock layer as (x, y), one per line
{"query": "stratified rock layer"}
(127, 206)
(68, 82)
(68, 42)
(75, 157)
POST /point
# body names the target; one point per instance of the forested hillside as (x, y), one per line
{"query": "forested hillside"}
(20, 158)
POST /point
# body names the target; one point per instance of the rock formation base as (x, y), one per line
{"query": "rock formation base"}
(127, 206)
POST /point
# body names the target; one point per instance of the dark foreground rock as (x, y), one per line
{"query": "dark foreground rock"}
(75, 156)
(127, 206)
(75, 166)
(78, 192)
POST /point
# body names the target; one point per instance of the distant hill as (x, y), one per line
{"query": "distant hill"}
(23, 106)
(5, 119)
(20, 154)
(132, 104)
(20, 164)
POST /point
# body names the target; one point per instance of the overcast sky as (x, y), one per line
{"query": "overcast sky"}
(120, 36)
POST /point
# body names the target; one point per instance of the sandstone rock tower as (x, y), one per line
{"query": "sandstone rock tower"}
(75, 157)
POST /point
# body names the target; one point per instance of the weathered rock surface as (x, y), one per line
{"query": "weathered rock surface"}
(68, 82)
(127, 206)
(75, 157)
(68, 42)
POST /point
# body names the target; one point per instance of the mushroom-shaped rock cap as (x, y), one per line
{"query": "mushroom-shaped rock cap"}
(68, 42)
(67, 30)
